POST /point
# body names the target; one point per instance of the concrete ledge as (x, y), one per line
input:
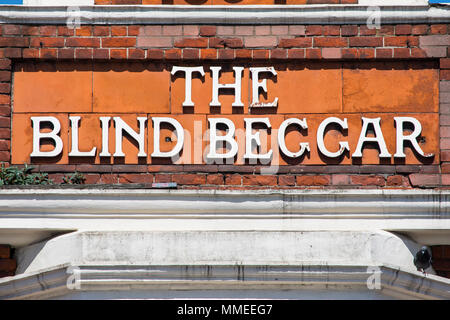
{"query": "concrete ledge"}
(225, 281)
(423, 214)
(302, 14)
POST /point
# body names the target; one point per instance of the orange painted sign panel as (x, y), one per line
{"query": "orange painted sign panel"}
(312, 113)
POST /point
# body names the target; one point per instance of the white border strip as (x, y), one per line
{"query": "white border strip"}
(225, 15)
(51, 283)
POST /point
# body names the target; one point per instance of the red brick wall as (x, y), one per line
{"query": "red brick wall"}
(441, 260)
(7, 263)
(174, 43)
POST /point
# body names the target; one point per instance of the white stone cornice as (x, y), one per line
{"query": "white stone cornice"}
(422, 214)
(97, 203)
(263, 14)
(52, 283)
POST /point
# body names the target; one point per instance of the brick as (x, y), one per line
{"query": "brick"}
(133, 30)
(366, 42)
(349, 30)
(136, 178)
(225, 54)
(119, 31)
(438, 29)
(444, 74)
(424, 180)
(394, 181)
(243, 54)
(445, 168)
(5, 110)
(320, 180)
(49, 53)
(101, 54)
(434, 40)
(297, 30)
(83, 42)
(278, 54)
(155, 42)
(262, 30)
(435, 52)
(31, 53)
(189, 179)
(129, 168)
(331, 30)
(8, 265)
(366, 53)
(84, 31)
(445, 155)
(175, 30)
(47, 42)
(118, 42)
(314, 30)
(5, 145)
(11, 29)
(118, 54)
(419, 29)
(340, 179)
(444, 63)
(386, 30)
(259, 180)
(16, 42)
(83, 53)
(445, 179)
(313, 54)
(5, 88)
(296, 53)
(208, 31)
(215, 179)
(5, 156)
(280, 30)
(368, 180)
(418, 53)
(244, 30)
(233, 179)
(330, 42)
(30, 30)
(109, 179)
(191, 54)
(331, 53)
(65, 53)
(208, 54)
(225, 30)
(285, 180)
(192, 42)
(401, 41)
(5, 76)
(295, 43)
(351, 53)
(190, 30)
(155, 54)
(12, 53)
(233, 43)
(403, 29)
(5, 251)
(401, 53)
(256, 42)
(137, 54)
(48, 31)
(365, 31)
(5, 64)
(102, 31)
(151, 30)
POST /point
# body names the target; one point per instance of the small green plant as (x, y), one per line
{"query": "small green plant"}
(74, 178)
(22, 176)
